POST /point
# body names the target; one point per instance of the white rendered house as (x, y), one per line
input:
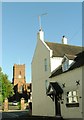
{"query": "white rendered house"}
(47, 57)
(71, 102)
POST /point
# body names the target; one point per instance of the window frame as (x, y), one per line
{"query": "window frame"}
(74, 99)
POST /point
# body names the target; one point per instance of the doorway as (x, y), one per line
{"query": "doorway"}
(57, 106)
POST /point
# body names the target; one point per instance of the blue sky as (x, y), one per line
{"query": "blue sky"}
(0, 33)
(20, 26)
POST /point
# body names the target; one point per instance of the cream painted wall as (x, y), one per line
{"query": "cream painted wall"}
(70, 78)
(41, 104)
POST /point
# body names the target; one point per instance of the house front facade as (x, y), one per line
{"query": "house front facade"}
(71, 102)
(47, 57)
(40, 73)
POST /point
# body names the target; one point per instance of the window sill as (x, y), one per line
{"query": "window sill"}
(72, 105)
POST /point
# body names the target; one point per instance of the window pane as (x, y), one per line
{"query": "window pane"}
(74, 93)
(70, 94)
(45, 64)
(45, 67)
(65, 65)
(75, 99)
(46, 84)
(70, 99)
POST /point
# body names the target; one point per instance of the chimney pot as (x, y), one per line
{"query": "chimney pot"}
(64, 40)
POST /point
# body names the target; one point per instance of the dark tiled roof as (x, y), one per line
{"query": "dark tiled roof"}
(78, 62)
(60, 49)
(56, 72)
(70, 57)
(56, 87)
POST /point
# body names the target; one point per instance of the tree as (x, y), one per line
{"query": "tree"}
(6, 88)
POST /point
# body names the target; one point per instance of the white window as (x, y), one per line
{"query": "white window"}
(72, 97)
(45, 64)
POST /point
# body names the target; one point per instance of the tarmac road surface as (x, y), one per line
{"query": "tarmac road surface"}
(13, 114)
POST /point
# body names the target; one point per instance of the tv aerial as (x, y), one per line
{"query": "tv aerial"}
(39, 17)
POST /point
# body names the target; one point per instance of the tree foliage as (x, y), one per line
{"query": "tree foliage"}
(6, 88)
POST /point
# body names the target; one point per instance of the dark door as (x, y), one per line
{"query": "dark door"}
(57, 106)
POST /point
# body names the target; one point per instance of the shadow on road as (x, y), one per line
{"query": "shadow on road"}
(15, 115)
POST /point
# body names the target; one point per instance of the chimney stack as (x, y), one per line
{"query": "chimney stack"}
(40, 35)
(64, 40)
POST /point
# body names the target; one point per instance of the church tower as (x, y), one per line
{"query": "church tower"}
(19, 77)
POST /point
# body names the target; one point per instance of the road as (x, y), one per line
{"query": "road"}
(14, 114)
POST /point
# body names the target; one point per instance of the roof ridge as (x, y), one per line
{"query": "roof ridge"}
(64, 44)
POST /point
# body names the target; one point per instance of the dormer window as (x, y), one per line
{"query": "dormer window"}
(65, 64)
(67, 61)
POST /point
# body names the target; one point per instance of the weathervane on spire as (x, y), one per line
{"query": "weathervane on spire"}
(40, 19)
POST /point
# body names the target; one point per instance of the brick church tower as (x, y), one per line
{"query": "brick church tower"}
(19, 77)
